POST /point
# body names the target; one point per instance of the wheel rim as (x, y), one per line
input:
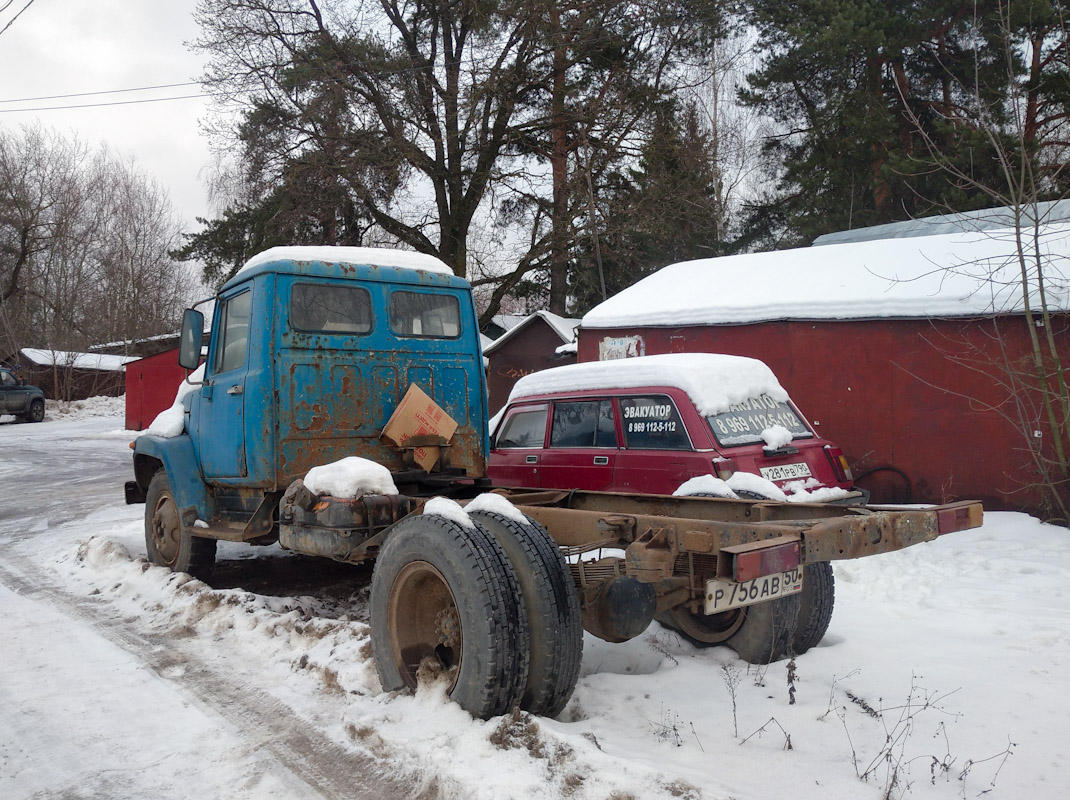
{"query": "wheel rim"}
(712, 629)
(166, 530)
(424, 623)
(37, 412)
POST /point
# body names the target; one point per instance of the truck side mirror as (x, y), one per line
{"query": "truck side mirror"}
(189, 343)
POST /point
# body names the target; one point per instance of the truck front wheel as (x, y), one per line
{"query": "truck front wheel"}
(759, 633)
(445, 605)
(168, 542)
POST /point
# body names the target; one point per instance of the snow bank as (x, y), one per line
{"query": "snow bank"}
(373, 256)
(713, 382)
(951, 275)
(172, 421)
(350, 477)
(90, 407)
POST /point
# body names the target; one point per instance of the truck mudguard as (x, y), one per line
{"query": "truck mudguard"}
(183, 473)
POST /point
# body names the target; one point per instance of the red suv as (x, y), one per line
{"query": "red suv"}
(648, 425)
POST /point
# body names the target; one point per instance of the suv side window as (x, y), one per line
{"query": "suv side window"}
(235, 340)
(524, 428)
(7, 379)
(583, 423)
(653, 423)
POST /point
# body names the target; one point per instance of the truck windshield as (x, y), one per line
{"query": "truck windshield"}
(744, 422)
(429, 316)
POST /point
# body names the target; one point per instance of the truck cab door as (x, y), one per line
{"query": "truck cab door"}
(221, 423)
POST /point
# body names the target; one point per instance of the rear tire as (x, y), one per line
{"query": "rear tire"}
(555, 626)
(815, 605)
(759, 633)
(445, 599)
(168, 542)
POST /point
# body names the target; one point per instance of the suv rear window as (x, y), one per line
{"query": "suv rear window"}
(428, 316)
(583, 423)
(525, 428)
(744, 422)
(652, 423)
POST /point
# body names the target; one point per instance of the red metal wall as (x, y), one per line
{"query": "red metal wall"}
(151, 384)
(910, 395)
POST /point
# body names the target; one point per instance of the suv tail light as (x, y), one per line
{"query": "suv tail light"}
(839, 464)
(724, 468)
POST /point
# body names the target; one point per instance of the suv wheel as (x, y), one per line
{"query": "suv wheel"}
(36, 412)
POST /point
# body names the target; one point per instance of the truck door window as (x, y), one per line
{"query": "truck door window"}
(326, 308)
(235, 341)
(525, 428)
(585, 423)
(429, 316)
(653, 423)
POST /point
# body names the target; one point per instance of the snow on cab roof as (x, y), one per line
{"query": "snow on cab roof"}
(712, 381)
(974, 273)
(373, 256)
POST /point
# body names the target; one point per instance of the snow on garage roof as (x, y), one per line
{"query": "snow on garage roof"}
(712, 381)
(373, 256)
(564, 327)
(62, 358)
(952, 275)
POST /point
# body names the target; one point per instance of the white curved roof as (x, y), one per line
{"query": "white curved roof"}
(378, 256)
(952, 275)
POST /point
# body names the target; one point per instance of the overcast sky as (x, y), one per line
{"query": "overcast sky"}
(61, 47)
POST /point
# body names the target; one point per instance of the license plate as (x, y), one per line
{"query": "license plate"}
(722, 595)
(785, 472)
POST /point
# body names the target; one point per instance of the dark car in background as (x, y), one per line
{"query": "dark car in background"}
(18, 398)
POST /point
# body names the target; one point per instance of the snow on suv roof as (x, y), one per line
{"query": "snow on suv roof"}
(712, 381)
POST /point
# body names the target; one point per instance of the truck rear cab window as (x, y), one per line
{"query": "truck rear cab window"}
(425, 315)
(523, 428)
(328, 308)
(235, 341)
(744, 422)
(653, 423)
(585, 423)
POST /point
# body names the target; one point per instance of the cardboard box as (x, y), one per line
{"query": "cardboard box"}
(419, 415)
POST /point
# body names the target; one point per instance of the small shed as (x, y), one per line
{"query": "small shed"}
(151, 384)
(64, 375)
(528, 346)
(892, 348)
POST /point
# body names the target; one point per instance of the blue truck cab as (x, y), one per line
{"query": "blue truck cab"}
(310, 352)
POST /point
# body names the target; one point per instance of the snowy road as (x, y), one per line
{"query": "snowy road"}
(942, 676)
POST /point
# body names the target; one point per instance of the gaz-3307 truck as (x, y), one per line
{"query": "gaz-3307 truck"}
(310, 354)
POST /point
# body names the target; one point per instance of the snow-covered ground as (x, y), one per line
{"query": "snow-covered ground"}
(943, 672)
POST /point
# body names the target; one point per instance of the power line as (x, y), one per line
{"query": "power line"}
(104, 91)
(12, 22)
(101, 105)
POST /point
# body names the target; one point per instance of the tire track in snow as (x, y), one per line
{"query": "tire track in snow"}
(329, 769)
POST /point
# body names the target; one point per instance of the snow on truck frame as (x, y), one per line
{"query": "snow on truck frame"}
(311, 352)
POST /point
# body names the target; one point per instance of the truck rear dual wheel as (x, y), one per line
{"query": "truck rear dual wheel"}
(759, 633)
(555, 627)
(816, 600)
(168, 542)
(445, 601)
